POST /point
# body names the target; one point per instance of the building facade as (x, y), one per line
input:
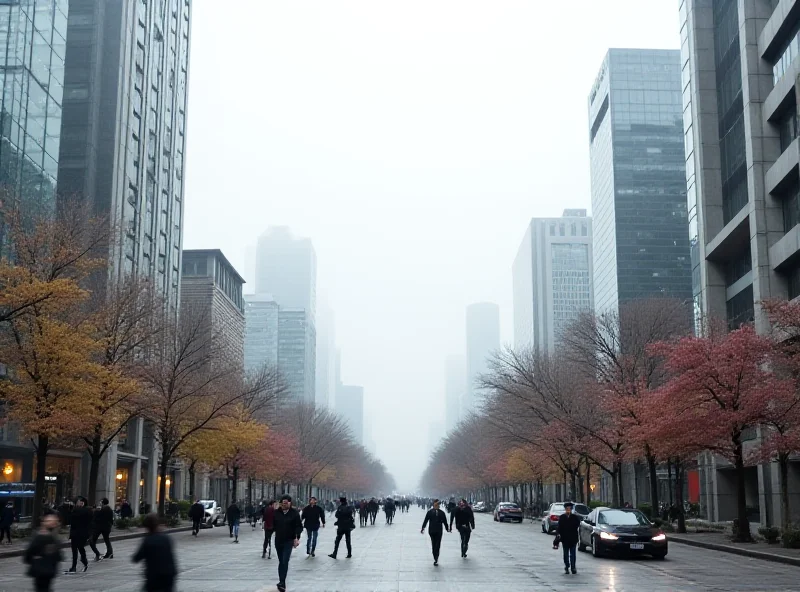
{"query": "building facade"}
(297, 354)
(455, 380)
(483, 339)
(286, 267)
(326, 359)
(552, 275)
(261, 332)
(350, 406)
(638, 179)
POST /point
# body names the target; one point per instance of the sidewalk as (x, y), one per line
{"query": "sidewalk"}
(718, 541)
(17, 548)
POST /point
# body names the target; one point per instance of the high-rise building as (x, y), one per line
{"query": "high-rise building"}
(638, 176)
(483, 339)
(552, 276)
(123, 136)
(210, 286)
(286, 267)
(350, 405)
(297, 353)
(261, 331)
(436, 432)
(455, 388)
(326, 359)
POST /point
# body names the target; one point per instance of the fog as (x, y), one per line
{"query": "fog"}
(412, 142)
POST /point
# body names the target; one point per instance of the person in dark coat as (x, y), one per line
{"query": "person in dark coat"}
(233, 515)
(197, 512)
(268, 520)
(389, 509)
(436, 521)
(373, 510)
(125, 510)
(288, 528)
(567, 535)
(313, 516)
(44, 554)
(80, 529)
(6, 520)
(159, 560)
(103, 521)
(345, 523)
(465, 524)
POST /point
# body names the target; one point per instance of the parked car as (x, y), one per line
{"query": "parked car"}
(214, 514)
(553, 513)
(508, 512)
(623, 530)
(480, 507)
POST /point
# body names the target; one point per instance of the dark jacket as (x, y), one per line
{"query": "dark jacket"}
(80, 524)
(268, 514)
(345, 521)
(43, 556)
(288, 526)
(463, 517)
(373, 506)
(197, 511)
(125, 511)
(7, 517)
(313, 516)
(156, 552)
(233, 514)
(567, 529)
(104, 519)
(437, 520)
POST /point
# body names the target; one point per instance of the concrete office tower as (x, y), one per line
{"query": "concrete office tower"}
(123, 135)
(261, 331)
(297, 353)
(483, 339)
(326, 359)
(638, 176)
(212, 287)
(435, 435)
(552, 276)
(286, 267)
(350, 405)
(455, 388)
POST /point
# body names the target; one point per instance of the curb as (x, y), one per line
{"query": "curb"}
(120, 537)
(737, 551)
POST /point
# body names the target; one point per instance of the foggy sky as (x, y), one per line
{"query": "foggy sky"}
(412, 142)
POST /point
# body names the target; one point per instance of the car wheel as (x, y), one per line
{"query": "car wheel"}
(544, 531)
(595, 547)
(660, 556)
(581, 547)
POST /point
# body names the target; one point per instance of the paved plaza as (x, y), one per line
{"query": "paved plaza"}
(507, 557)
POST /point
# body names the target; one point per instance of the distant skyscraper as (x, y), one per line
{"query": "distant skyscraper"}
(455, 388)
(483, 339)
(435, 434)
(350, 405)
(552, 278)
(326, 359)
(261, 331)
(297, 353)
(286, 267)
(638, 174)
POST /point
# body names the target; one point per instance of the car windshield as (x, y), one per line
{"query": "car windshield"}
(581, 509)
(623, 518)
(510, 506)
(208, 505)
(557, 508)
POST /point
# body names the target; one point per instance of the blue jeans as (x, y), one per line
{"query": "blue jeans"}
(284, 552)
(311, 539)
(236, 528)
(569, 555)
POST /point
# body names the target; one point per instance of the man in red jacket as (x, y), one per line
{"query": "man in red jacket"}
(269, 527)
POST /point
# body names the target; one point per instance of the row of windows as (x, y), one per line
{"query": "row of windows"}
(573, 229)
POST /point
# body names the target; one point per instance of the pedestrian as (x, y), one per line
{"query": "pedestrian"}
(465, 524)
(438, 524)
(6, 520)
(373, 510)
(313, 515)
(567, 535)
(103, 521)
(389, 509)
(345, 523)
(159, 560)
(288, 528)
(233, 515)
(363, 514)
(268, 515)
(79, 531)
(197, 512)
(125, 510)
(44, 554)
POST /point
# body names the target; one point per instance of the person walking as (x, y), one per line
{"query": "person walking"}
(233, 515)
(125, 510)
(44, 554)
(288, 528)
(103, 521)
(313, 516)
(567, 535)
(6, 520)
(79, 531)
(268, 520)
(197, 512)
(345, 523)
(436, 521)
(388, 509)
(373, 510)
(465, 524)
(159, 560)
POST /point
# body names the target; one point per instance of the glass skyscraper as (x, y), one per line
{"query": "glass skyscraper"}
(638, 175)
(33, 49)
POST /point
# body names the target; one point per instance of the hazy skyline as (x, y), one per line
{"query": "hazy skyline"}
(412, 143)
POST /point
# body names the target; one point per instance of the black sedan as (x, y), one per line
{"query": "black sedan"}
(628, 531)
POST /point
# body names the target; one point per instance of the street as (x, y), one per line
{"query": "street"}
(398, 559)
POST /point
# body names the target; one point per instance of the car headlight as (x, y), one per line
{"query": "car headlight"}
(608, 536)
(660, 537)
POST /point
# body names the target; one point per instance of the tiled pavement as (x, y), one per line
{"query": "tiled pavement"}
(509, 557)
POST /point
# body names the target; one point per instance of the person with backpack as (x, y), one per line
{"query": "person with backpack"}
(345, 523)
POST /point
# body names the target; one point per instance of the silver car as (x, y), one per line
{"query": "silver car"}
(214, 515)
(553, 513)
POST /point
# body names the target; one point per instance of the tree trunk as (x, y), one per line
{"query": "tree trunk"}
(620, 485)
(743, 532)
(162, 486)
(574, 486)
(191, 479)
(679, 495)
(669, 480)
(588, 482)
(95, 454)
(651, 468)
(41, 468)
(783, 468)
(235, 496)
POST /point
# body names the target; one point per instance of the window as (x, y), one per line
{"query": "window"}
(740, 308)
(561, 230)
(584, 230)
(787, 126)
(552, 230)
(738, 267)
(794, 280)
(790, 200)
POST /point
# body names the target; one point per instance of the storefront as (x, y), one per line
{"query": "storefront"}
(62, 479)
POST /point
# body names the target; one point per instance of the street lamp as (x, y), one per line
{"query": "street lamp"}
(8, 468)
(119, 476)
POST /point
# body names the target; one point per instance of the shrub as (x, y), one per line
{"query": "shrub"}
(123, 523)
(183, 509)
(770, 533)
(791, 537)
(646, 509)
(598, 504)
(173, 521)
(138, 521)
